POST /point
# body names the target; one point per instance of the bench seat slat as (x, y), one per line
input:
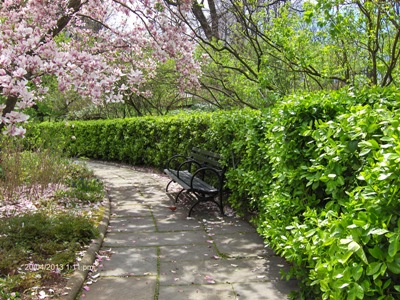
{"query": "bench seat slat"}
(185, 178)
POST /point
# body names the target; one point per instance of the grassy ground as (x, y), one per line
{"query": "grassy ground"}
(49, 212)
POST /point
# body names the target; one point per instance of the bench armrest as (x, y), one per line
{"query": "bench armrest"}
(188, 162)
(178, 158)
(180, 162)
(202, 171)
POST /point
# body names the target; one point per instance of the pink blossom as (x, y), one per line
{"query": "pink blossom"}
(90, 62)
(13, 130)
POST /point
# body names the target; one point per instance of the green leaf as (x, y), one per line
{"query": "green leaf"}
(376, 252)
(344, 285)
(397, 288)
(373, 268)
(365, 151)
(393, 246)
(359, 223)
(361, 254)
(387, 283)
(353, 246)
(356, 292)
(357, 272)
(359, 291)
(378, 231)
(352, 294)
(394, 267)
(345, 257)
(352, 226)
(374, 144)
(391, 156)
(345, 241)
(384, 176)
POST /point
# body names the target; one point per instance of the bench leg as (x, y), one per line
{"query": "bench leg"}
(191, 209)
(221, 204)
(208, 199)
(177, 196)
(166, 189)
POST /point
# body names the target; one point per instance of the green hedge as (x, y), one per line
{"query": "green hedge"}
(144, 140)
(320, 172)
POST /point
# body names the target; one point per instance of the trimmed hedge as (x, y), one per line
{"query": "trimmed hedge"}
(320, 171)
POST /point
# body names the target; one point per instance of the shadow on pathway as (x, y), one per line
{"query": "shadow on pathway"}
(159, 253)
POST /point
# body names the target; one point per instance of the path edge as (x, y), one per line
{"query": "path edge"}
(75, 282)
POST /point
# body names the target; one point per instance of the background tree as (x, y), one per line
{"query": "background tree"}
(89, 62)
(260, 50)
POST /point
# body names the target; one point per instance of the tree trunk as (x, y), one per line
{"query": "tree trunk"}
(10, 105)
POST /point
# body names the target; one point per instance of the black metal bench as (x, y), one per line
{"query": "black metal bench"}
(200, 173)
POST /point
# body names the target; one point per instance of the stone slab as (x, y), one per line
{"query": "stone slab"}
(132, 224)
(228, 225)
(221, 271)
(130, 261)
(264, 290)
(175, 222)
(197, 292)
(241, 245)
(119, 288)
(143, 239)
(130, 210)
(187, 253)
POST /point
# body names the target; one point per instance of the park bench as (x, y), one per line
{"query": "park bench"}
(200, 174)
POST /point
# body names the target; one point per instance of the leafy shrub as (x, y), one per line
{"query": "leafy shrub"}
(140, 141)
(325, 205)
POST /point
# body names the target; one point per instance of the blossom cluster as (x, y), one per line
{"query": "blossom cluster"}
(92, 60)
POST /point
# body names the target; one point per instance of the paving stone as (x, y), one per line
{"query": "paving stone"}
(188, 253)
(130, 210)
(132, 224)
(221, 271)
(130, 261)
(197, 292)
(263, 290)
(184, 272)
(241, 244)
(167, 210)
(175, 222)
(153, 239)
(247, 270)
(120, 288)
(228, 225)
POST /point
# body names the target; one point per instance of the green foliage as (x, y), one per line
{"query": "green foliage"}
(38, 246)
(30, 169)
(328, 195)
(82, 190)
(320, 171)
(40, 239)
(140, 141)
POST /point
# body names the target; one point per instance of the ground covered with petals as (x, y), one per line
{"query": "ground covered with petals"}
(49, 211)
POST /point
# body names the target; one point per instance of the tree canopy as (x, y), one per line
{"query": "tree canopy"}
(241, 53)
(262, 48)
(89, 46)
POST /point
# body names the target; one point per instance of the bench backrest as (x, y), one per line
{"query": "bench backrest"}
(206, 158)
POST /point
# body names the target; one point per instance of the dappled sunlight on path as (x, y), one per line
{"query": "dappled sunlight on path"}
(159, 253)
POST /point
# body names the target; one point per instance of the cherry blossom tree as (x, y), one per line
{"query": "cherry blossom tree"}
(54, 37)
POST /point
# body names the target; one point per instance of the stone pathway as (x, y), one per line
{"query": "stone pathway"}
(159, 253)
